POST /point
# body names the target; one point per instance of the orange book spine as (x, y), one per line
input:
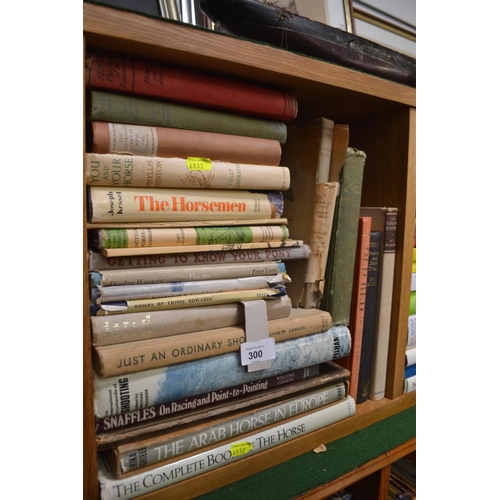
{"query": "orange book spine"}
(356, 322)
(142, 140)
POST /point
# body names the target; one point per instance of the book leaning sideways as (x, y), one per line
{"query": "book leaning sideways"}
(115, 205)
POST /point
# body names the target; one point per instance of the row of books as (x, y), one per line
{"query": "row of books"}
(410, 380)
(200, 355)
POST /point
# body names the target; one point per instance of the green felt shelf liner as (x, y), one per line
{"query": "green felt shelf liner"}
(311, 470)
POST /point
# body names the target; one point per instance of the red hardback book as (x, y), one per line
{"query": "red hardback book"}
(356, 321)
(139, 76)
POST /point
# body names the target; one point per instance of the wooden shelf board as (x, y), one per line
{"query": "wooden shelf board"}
(342, 90)
(355, 475)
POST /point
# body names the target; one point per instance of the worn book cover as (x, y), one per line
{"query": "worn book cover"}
(99, 262)
(150, 452)
(141, 325)
(121, 394)
(128, 204)
(340, 265)
(384, 219)
(168, 142)
(218, 456)
(190, 172)
(309, 205)
(121, 108)
(142, 355)
(120, 428)
(141, 76)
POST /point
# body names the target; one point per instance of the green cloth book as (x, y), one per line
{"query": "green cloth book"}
(341, 255)
(109, 107)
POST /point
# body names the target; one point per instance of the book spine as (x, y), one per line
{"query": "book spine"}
(141, 483)
(124, 73)
(192, 403)
(413, 303)
(99, 262)
(357, 316)
(129, 327)
(179, 302)
(325, 151)
(148, 452)
(183, 236)
(127, 204)
(154, 353)
(411, 356)
(121, 394)
(305, 152)
(412, 331)
(324, 209)
(340, 265)
(109, 107)
(410, 371)
(121, 170)
(382, 336)
(118, 277)
(215, 247)
(155, 290)
(369, 323)
(143, 140)
(410, 384)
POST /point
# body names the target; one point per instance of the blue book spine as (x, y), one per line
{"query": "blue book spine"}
(134, 391)
(410, 371)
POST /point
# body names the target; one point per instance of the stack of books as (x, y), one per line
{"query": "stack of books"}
(199, 357)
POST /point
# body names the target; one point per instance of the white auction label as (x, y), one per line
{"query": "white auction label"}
(259, 350)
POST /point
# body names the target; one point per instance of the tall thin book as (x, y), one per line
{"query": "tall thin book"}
(342, 252)
(384, 219)
(310, 205)
(358, 304)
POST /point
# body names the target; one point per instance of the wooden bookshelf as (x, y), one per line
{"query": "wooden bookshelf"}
(381, 117)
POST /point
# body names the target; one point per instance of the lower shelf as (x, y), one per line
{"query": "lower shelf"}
(291, 470)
